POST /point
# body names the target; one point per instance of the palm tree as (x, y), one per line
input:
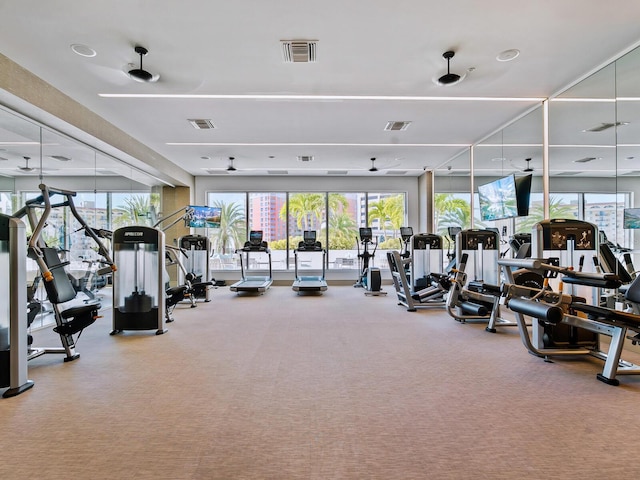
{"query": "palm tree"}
(394, 208)
(557, 209)
(305, 208)
(233, 227)
(342, 231)
(378, 211)
(451, 212)
(138, 210)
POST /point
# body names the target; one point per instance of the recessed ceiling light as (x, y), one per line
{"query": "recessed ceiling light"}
(508, 55)
(83, 50)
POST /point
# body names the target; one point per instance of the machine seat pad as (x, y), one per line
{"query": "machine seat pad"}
(176, 290)
(202, 285)
(81, 317)
(482, 287)
(608, 315)
(73, 312)
(597, 280)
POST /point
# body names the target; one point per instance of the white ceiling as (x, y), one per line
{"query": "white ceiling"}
(365, 48)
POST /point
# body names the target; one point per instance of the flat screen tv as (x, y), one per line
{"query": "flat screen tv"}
(204, 217)
(631, 218)
(506, 197)
(498, 199)
(523, 194)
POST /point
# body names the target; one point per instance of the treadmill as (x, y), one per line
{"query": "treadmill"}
(309, 283)
(253, 283)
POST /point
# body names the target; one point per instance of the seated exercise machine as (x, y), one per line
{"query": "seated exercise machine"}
(253, 283)
(478, 299)
(70, 320)
(181, 292)
(309, 283)
(429, 289)
(551, 309)
(369, 278)
(196, 266)
(13, 327)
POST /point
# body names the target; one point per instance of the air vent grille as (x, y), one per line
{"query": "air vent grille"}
(201, 123)
(299, 51)
(215, 171)
(395, 126)
(585, 160)
(305, 158)
(277, 172)
(633, 173)
(336, 172)
(395, 172)
(567, 174)
(61, 158)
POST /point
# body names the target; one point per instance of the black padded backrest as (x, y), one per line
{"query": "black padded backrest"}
(611, 263)
(60, 289)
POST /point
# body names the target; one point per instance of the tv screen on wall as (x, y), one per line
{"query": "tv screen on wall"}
(498, 199)
(523, 194)
(631, 218)
(204, 217)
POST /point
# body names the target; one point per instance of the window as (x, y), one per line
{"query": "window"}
(233, 229)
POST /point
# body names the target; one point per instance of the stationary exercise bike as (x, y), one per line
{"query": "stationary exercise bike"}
(370, 278)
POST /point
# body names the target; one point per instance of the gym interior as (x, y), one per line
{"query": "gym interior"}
(234, 276)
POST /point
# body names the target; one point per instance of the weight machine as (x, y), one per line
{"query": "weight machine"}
(72, 320)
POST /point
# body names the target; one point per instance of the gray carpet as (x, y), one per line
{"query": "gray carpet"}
(338, 386)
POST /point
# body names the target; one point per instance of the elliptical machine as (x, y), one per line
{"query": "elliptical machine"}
(370, 278)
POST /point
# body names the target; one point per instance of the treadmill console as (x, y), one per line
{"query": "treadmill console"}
(255, 241)
(309, 242)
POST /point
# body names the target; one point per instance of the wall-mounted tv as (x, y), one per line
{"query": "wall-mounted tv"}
(523, 194)
(498, 199)
(204, 217)
(631, 218)
(506, 197)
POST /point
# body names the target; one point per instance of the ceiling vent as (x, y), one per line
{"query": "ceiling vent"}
(305, 158)
(395, 172)
(299, 51)
(108, 173)
(336, 172)
(201, 123)
(633, 173)
(567, 174)
(605, 126)
(215, 171)
(397, 126)
(277, 172)
(61, 158)
(585, 160)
